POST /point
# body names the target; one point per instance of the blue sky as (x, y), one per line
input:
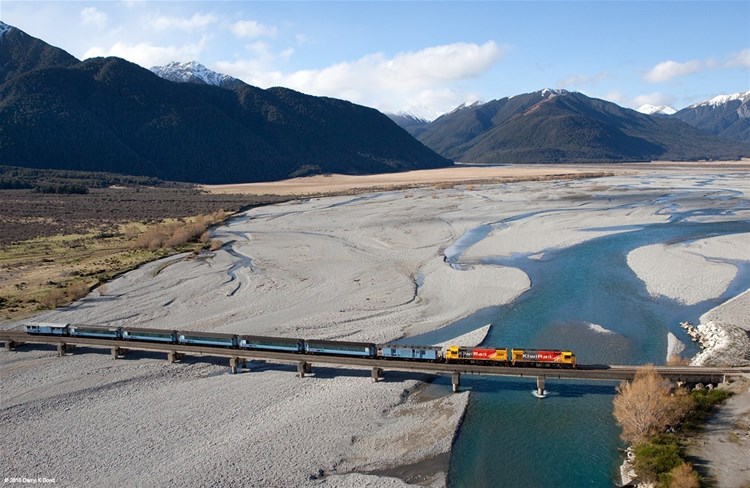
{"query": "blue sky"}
(424, 57)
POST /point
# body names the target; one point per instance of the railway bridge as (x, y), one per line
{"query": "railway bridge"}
(238, 358)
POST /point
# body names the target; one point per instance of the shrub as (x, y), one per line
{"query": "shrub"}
(683, 476)
(655, 458)
(706, 399)
(677, 360)
(77, 290)
(52, 299)
(646, 406)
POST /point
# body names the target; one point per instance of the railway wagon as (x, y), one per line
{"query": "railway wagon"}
(96, 331)
(543, 357)
(194, 338)
(423, 353)
(339, 348)
(476, 355)
(149, 335)
(46, 328)
(282, 344)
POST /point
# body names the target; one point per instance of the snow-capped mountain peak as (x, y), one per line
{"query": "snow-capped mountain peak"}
(723, 99)
(554, 91)
(4, 28)
(649, 109)
(193, 72)
(464, 105)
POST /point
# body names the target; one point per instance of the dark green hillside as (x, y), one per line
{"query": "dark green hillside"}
(549, 126)
(19, 53)
(106, 114)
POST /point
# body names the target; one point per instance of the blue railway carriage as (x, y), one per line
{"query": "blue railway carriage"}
(213, 339)
(150, 335)
(46, 328)
(282, 344)
(97, 331)
(338, 348)
(423, 353)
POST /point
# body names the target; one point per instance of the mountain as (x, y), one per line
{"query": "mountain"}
(106, 114)
(194, 72)
(410, 123)
(19, 53)
(550, 126)
(649, 109)
(725, 115)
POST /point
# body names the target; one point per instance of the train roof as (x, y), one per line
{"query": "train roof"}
(59, 325)
(325, 342)
(135, 330)
(267, 338)
(197, 333)
(409, 346)
(97, 327)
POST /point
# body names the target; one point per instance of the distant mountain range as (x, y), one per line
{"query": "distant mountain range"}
(551, 126)
(413, 124)
(725, 115)
(185, 122)
(106, 114)
(649, 109)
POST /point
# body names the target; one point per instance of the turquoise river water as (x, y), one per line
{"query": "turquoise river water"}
(584, 298)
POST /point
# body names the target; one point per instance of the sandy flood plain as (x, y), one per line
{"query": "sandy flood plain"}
(368, 267)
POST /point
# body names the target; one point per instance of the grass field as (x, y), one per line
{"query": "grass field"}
(55, 248)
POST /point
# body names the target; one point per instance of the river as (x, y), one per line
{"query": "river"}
(583, 298)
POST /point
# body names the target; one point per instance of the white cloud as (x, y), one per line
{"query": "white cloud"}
(667, 70)
(581, 80)
(148, 55)
(416, 78)
(92, 16)
(615, 97)
(196, 22)
(741, 59)
(252, 29)
(655, 99)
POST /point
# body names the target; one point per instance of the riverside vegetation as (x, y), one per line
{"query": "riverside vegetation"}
(55, 248)
(656, 421)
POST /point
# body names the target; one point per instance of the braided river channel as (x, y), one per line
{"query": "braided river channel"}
(586, 299)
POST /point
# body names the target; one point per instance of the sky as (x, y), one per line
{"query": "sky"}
(422, 57)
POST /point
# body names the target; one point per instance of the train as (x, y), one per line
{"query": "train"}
(452, 354)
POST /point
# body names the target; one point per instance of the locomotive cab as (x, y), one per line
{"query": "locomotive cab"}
(569, 359)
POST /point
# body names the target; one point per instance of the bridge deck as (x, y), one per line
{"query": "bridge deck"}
(587, 372)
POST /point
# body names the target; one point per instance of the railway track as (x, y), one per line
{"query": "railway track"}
(237, 357)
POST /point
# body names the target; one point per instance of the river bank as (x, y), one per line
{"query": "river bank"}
(369, 268)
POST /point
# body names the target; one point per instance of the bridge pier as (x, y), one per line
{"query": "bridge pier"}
(10, 345)
(303, 368)
(61, 349)
(377, 373)
(235, 364)
(456, 381)
(540, 391)
(117, 352)
(173, 356)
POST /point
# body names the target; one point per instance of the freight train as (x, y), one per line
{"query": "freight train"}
(436, 354)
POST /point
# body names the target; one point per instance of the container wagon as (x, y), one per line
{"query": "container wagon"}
(423, 353)
(46, 328)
